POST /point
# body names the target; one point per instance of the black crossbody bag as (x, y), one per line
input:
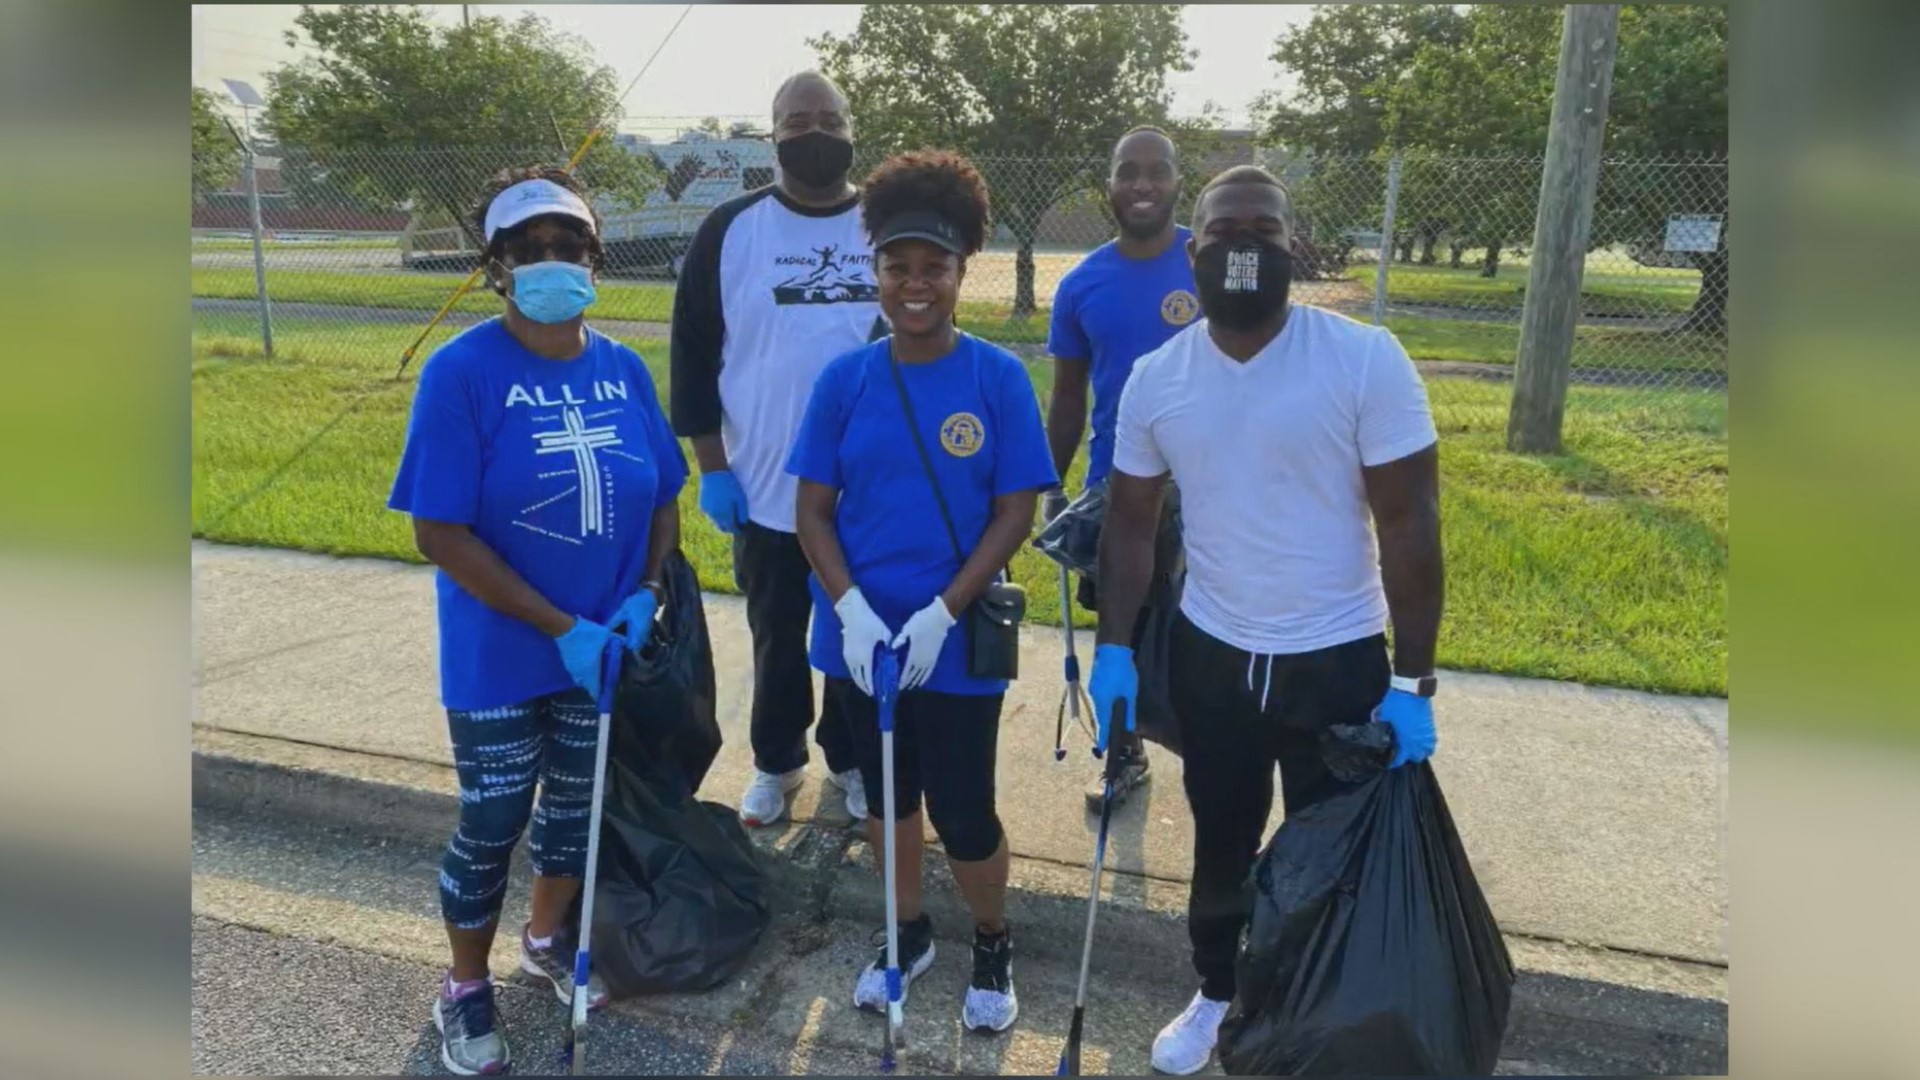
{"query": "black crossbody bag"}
(991, 623)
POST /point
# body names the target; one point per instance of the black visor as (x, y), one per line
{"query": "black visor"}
(920, 225)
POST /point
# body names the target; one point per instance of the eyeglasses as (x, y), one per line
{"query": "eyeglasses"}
(521, 251)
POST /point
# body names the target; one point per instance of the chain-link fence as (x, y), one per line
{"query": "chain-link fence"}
(1606, 563)
(358, 249)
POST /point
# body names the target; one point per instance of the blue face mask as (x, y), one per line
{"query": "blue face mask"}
(552, 292)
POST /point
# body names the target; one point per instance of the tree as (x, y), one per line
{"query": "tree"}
(1490, 93)
(1346, 58)
(1035, 94)
(710, 125)
(396, 109)
(1670, 101)
(1482, 99)
(216, 156)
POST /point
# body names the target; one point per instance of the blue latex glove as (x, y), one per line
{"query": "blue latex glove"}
(583, 650)
(636, 617)
(723, 500)
(1114, 679)
(1412, 719)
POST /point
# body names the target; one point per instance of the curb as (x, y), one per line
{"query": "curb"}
(1576, 1009)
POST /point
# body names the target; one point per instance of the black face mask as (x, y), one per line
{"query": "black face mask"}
(816, 159)
(1242, 280)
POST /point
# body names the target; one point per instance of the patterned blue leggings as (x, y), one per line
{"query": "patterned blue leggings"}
(500, 754)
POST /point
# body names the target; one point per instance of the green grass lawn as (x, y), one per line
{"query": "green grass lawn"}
(1425, 339)
(1617, 348)
(639, 302)
(230, 243)
(618, 300)
(1604, 565)
(1642, 291)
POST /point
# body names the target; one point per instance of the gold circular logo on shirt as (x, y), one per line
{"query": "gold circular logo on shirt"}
(963, 434)
(1179, 307)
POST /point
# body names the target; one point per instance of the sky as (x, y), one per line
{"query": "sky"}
(726, 59)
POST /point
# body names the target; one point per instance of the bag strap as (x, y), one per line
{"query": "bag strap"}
(926, 460)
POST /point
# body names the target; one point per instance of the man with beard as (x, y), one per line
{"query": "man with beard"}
(777, 282)
(1296, 436)
(1123, 301)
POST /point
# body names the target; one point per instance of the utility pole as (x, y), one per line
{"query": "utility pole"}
(1589, 35)
(465, 19)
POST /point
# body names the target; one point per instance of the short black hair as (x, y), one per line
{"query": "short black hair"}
(1240, 174)
(937, 180)
(506, 178)
(1146, 129)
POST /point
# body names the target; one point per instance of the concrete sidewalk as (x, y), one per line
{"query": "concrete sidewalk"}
(1593, 817)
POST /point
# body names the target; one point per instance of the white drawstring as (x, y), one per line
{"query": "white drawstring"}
(1266, 687)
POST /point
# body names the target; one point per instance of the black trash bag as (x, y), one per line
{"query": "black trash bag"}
(666, 692)
(1370, 951)
(1152, 641)
(682, 897)
(1073, 540)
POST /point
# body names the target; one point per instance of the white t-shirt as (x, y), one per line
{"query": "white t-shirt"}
(1267, 455)
(771, 291)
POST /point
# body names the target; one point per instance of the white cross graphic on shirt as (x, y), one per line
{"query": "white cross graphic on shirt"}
(581, 441)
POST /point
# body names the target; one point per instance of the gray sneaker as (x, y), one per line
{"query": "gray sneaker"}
(555, 964)
(471, 1043)
(1133, 773)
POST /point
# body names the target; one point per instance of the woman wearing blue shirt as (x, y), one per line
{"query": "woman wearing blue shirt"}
(541, 476)
(885, 570)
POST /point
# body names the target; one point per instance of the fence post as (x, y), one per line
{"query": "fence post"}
(1386, 240)
(259, 253)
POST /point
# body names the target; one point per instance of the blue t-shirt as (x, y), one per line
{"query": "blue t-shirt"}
(558, 466)
(1112, 310)
(980, 421)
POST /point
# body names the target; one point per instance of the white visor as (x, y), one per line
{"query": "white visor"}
(531, 198)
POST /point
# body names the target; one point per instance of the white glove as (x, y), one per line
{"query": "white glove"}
(922, 636)
(861, 631)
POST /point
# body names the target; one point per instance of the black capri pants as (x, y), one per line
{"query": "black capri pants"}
(944, 745)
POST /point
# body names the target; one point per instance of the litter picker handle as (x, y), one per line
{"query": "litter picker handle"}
(610, 661)
(886, 685)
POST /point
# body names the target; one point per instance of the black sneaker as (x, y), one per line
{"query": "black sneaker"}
(991, 1005)
(471, 1043)
(916, 956)
(1133, 774)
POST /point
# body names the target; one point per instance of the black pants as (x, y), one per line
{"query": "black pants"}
(1168, 559)
(945, 746)
(1232, 743)
(771, 570)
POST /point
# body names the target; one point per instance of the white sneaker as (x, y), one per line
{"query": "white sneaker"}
(1184, 1046)
(855, 789)
(766, 799)
(991, 1004)
(916, 956)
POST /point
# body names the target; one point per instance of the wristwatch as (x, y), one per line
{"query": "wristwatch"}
(1424, 686)
(659, 589)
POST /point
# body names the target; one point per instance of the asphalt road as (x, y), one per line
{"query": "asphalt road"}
(267, 1005)
(317, 946)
